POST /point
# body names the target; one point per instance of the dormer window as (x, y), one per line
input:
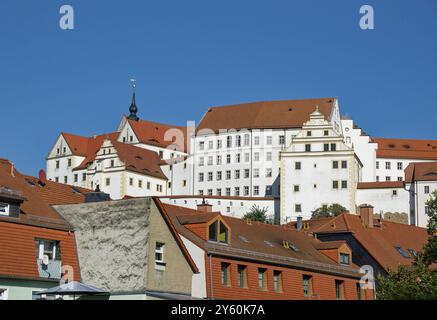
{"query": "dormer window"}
(48, 248)
(4, 209)
(345, 259)
(218, 232)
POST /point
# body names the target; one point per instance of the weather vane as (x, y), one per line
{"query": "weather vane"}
(133, 82)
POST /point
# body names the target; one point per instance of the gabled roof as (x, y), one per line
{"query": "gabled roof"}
(260, 242)
(87, 146)
(153, 133)
(35, 210)
(136, 159)
(421, 171)
(380, 241)
(264, 114)
(406, 149)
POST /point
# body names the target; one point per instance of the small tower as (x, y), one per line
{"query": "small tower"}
(133, 107)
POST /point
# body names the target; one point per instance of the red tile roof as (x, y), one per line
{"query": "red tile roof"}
(87, 146)
(406, 149)
(54, 193)
(136, 159)
(35, 210)
(154, 133)
(421, 171)
(381, 185)
(17, 251)
(264, 114)
(260, 242)
(379, 241)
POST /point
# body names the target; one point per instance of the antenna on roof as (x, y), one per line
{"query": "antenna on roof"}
(133, 107)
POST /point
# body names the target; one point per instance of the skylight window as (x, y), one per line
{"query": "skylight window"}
(293, 247)
(412, 252)
(403, 252)
(268, 243)
(244, 239)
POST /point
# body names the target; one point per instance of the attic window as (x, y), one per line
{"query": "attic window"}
(30, 182)
(4, 209)
(290, 109)
(139, 158)
(218, 232)
(344, 259)
(268, 243)
(406, 146)
(293, 247)
(391, 145)
(403, 252)
(412, 252)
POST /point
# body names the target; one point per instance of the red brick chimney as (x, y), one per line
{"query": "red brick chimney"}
(366, 214)
(204, 207)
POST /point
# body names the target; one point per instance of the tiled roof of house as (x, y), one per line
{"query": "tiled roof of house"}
(154, 133)
(37, 220)
(380, 241)
(87, 146)
(136, 159)
(35, 210)
(406, 149)
(54, 193)
(381, 185)
(421, 171)
(264, 114)
(260, 242)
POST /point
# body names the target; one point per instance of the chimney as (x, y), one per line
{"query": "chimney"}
(204, 207)
(366, 215)
(299, 223)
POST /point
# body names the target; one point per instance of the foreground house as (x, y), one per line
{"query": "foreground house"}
(382, 244)
(38, 247)
(131, 249)
(240, 259)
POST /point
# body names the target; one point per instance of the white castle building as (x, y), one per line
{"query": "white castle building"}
(290, 157)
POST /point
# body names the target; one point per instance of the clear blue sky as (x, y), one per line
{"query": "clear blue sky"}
(188, 55)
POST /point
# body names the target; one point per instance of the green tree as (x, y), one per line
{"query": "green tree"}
(418, 281)
(332, 210)
(256, 214)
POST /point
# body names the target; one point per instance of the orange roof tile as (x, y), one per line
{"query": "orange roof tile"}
(379, 241)
(154, 133)
(421, 171)
(87, 146)
(380, 185)
(264, 114)
(406, 149)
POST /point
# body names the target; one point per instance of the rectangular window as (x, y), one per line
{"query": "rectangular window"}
(201, 161)
(210, 144)
(242, 276)
(344, 164)
(344, 258)
(256, 141)
(228, 158)
(262, 279)
(210, 161)
(201, 145)
(238, 141)
(268, 156)
(426, 190)
(76, 177)
(333, 147)
(246, 190)
(344, 184)
(246, 157)
(219, 144)
(229, 142)
(4, 209)
(140, 184)
(201, 176)
(228, 174)
(256, 156)
(148, 185)
(210, 174)
(219, 160)
(225, 274)
(246, 173)
(334, 184)
(237, 191)
(269, 190)
(281, 140)
(307, 148)
(57, 164)
(326, 133)
(400, 166)
(359, 292)
(387, 178)
(326, 147)
(237, 174)
(219, 192)
(108, 182)
(209, 192)
(238, 158)
(298, 208)
(268, 172)
(159, 253)
(297, 165)
(48, 248)
(256, 190)
(334, 164)
(69, 163)
(269, 140)
(377, 164)
(4, 294)
(277, 281)
(246, 139)
(256, 173)
(228, 192)
(339, 289)
(83, 176)
(388, 165)
(307, 285)
(219, 175)
(65, 179)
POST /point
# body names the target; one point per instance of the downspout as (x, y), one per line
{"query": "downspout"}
(211, 286)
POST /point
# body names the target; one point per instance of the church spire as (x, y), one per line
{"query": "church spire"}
(133, 107)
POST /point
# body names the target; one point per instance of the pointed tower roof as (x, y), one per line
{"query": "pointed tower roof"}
(133, 109)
